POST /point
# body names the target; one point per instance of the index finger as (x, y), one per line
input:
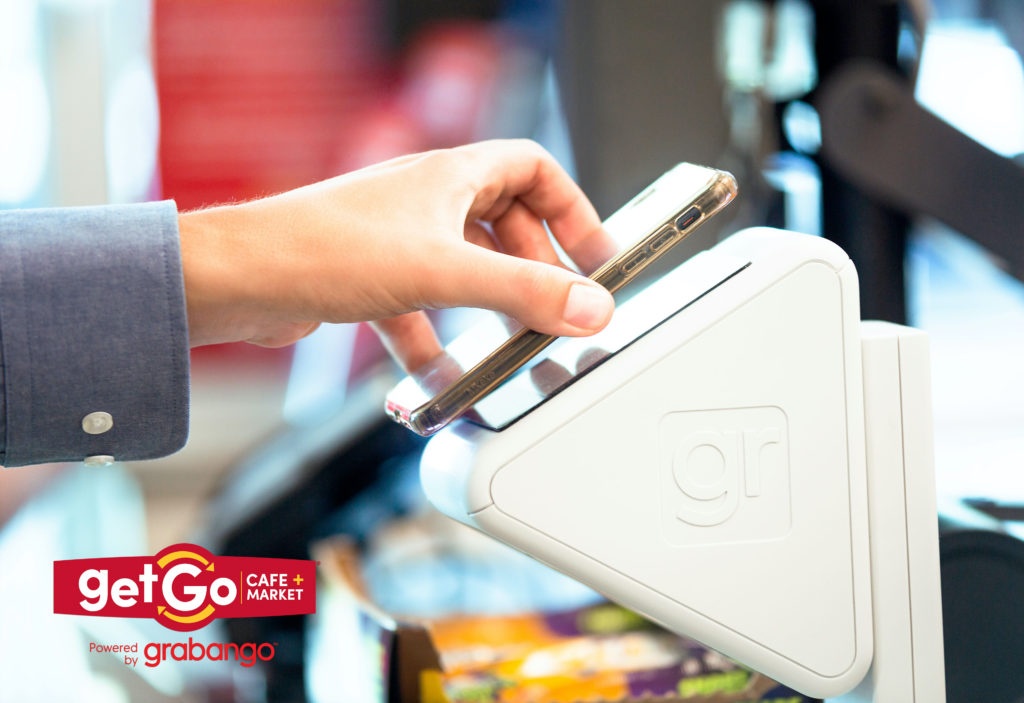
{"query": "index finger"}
(510, 171)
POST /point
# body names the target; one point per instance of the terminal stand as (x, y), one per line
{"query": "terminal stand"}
(755, 472)
(908, 663)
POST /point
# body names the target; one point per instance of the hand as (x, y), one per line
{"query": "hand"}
(448, 228)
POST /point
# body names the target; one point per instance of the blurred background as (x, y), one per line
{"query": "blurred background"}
(106, 101)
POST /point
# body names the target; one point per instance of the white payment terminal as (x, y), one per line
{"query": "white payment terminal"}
(739, 458)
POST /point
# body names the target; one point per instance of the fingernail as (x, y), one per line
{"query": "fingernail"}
(587, 307)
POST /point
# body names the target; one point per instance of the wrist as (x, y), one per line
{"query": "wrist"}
(235, 288)
(211, 288)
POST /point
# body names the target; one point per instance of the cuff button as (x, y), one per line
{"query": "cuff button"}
(97, 422)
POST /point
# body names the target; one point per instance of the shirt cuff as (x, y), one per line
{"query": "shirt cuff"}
(93, 334)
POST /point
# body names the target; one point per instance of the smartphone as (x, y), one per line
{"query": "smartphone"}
(569, 359)
(635, 236)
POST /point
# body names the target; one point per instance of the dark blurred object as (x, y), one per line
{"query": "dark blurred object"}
(640, 92)
(885, 158)
(405, 19)
(983, 622)
(880, 138)
(872, 233)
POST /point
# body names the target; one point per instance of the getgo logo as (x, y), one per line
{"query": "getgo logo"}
(724, 475)
(184, 587)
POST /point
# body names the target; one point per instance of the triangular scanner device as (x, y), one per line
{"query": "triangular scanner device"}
(755, 472)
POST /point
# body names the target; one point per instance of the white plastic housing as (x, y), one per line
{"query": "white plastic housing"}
(710, 476)
(909, 662)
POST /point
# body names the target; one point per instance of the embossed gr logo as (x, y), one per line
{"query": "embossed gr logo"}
(722, 467)
(714, 468)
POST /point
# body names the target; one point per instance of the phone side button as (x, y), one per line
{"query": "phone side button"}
(632, 263)
(664, 237)
(687, 218)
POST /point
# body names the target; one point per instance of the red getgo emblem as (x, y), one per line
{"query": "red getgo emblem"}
(184, 587)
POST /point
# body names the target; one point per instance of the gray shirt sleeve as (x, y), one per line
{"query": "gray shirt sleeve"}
(92, 323)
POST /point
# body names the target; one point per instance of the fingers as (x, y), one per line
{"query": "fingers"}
(506, 171)
(523, 187)
(546, 298)
(409, 338)
(512, 193)
(517, 188)
(520, 233)
(543, 297)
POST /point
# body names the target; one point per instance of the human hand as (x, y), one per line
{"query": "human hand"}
(447, 228)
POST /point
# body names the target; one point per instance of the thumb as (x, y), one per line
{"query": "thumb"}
(544, 297)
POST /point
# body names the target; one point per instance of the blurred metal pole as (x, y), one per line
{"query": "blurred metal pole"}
(873, 234)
